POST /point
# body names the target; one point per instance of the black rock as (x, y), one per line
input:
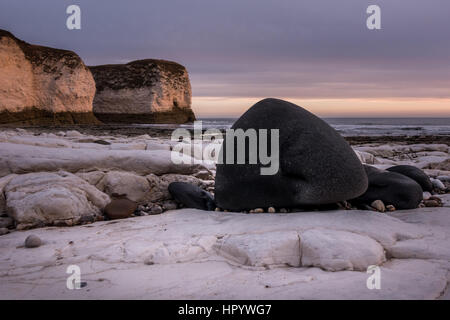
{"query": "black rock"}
(191, 196)
(316, 165)
(414, 173)
(392, 188)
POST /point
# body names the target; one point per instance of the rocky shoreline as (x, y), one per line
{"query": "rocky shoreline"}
(139, 166)
(59, 169)
(165, 133)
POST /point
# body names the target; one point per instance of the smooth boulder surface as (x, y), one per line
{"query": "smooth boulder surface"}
(392, 188)
(191, 196)
(316, 165)
(46, 198)
(120, 208)
(414, 173)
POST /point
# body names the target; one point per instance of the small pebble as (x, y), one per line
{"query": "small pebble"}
(218, 209)
(3, 231)
(390, 207)
(426, 195)
(258, 210)
(169, 205)
(378, 205)
(156, 209)
(32, 241)
(283, 210)
(432, 202)
(271, 210)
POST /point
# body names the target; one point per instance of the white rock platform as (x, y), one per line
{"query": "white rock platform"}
(192, 254)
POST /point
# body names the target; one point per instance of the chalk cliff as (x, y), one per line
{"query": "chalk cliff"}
(143, 91)
(43, 86)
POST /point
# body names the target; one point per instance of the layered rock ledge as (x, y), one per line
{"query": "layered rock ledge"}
(43, 86)
(192, 254)
(143, 91)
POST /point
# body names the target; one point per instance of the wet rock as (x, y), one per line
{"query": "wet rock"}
(3, 231)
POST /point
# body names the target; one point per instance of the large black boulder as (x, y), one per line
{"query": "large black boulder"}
(191, 196)
(392, 188)
(316, 165)
(414, 173)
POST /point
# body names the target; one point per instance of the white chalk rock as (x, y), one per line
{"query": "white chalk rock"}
(366, 158)
(42, 85)
(15, 158)
(335, 250)
(264, 249)
(135, 187)
(44, 198)
(92, 177)
(426, 195)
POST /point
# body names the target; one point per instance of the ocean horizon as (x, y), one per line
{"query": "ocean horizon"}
(355, 126)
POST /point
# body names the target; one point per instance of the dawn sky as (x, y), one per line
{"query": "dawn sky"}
(316, 53)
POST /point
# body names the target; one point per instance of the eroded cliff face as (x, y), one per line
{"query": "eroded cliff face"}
(143, 91)
(42, 85)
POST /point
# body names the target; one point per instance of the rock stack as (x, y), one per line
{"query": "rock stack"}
(143, 91)
(42, 85)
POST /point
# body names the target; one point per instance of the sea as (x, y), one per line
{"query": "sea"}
(356, 126)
